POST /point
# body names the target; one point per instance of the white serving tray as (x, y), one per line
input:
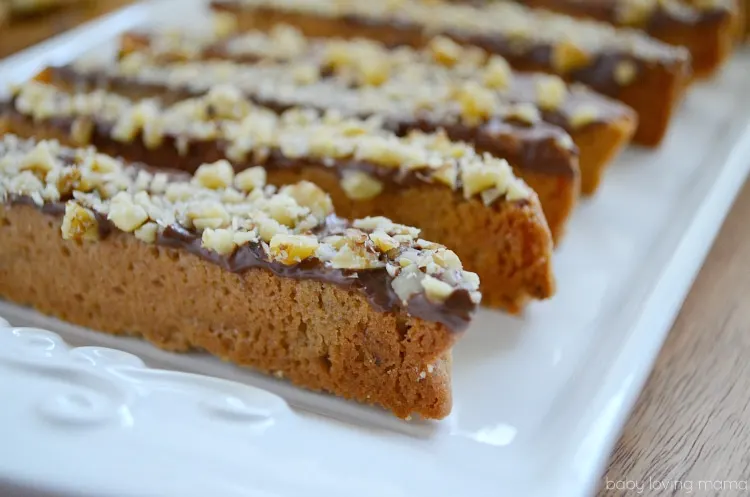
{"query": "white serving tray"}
(538, 401)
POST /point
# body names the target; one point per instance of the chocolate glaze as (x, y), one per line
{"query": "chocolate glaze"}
(529, 147)
(375, 284)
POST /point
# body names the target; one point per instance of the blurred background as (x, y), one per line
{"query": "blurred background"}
(26, 22)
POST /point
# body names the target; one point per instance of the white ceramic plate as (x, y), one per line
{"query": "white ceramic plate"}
(538, 401)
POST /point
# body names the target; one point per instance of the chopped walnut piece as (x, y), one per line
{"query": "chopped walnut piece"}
(207, 214)
(375, 71)
(435, 289)
(447, 259)
(220, 241)
(525, 112)
(383, 241)
(477, 178)
(147, 233)
(497, 73)
(292, 249)
(447, 175)
(218, 175)
(354, 257)
(268, 227)
(567, 57)
(445, 51)
(249, 179)
(477, 103)
(81, 130)
(244, 237)
(408, 282)
(584, 115)
(79, 223)
(310, 195)
(551, 92)
(126, 214)
(359, 185)
(305, 74)
(40, 160)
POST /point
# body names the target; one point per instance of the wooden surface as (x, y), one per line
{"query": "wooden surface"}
(690, 431)
(19, 34)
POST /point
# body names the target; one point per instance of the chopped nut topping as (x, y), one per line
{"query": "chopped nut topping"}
(126, 214)
(299, 133)
(311, 196)
(79, 224)
(584, 116)
(215, 176)
(497, 73)
(369, 78)
(445, 50)
(147, 233)
(567, 57)
(250, 179)
(360, 186)
(220, 241)
(551, 92)
(477, 103)
(292, 249)
(625, 73)
(436, 290)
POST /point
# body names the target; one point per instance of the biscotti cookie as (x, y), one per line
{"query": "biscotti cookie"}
(455, 195)
(599, 126)
(270, 279)
(542, 154)
(705, 27)
(646, 74)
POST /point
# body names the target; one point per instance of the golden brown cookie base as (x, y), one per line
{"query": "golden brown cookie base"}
(319, 336)
(654, 96)
(599, 145)
(558, 196)
(508, 244)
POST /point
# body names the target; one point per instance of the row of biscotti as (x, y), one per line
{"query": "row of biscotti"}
(444, 80)
(266, 278)
(471, 202)
(644, 73)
